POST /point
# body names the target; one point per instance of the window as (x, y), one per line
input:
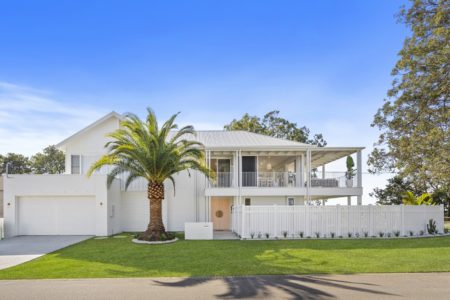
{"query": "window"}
(75, 164)
(290, 201)
(248, 201)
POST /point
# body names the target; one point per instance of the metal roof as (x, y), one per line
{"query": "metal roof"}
(220, 139)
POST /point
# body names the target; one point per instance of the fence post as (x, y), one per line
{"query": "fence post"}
(243, 222)
(275, 218)
(402, 218)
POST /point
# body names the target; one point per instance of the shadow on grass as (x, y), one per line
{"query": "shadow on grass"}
(292, 285)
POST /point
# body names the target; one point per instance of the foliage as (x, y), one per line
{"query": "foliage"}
(142, 149)
(415, 120)
(50, 161)
(410, 199)
(350, 168)
(431, 227)
(17, 164)
(273, 125)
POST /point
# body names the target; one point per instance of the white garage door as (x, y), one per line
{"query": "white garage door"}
(56, 215)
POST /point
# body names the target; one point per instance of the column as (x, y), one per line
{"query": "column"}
(359, 175)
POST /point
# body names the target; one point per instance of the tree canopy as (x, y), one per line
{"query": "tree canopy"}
(415, 118)
(17, 164)
(274, 125)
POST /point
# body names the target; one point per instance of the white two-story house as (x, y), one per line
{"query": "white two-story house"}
(252, 169)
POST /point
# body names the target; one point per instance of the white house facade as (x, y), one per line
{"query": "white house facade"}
(252, 170)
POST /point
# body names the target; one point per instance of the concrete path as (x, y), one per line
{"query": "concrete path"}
(366, 286)
(20, 249)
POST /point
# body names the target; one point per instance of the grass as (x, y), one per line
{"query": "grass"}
(118, 257)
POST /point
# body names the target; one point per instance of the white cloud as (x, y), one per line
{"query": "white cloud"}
(31, 119)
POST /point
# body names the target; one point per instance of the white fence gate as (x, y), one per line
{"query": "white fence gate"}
(276, 220)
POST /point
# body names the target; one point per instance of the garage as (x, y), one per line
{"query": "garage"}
(56, 215)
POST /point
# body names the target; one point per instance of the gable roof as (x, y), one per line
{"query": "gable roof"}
(103, 119)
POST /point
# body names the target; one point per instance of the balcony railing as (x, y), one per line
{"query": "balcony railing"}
(331, 179)
(268, 179)
(223, 179)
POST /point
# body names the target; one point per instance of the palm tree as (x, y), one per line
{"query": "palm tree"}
(140, 149)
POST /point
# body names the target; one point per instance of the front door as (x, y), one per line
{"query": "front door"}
(221, 213)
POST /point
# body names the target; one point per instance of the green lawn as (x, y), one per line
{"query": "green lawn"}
(118, 257)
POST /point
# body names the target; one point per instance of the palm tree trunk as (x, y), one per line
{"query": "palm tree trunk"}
(155, 230)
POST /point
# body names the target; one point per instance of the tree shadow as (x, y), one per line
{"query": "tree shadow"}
(298, 287)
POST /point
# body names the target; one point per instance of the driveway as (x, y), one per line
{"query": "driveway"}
(20, 249)
(359, 286)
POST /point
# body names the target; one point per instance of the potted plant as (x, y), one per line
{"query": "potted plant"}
(350, 172)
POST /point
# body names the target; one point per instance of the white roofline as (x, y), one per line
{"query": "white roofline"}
(99, 121)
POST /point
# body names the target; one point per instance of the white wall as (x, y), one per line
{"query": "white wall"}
(1, 196)
(17, 186)
(91, 142)
(270, 200)
(114, 208)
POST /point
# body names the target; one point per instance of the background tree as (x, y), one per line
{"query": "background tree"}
(273, 125)
(18, 164)
(414, 121)
(50, 161)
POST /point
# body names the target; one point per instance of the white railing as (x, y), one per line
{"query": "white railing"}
(268, 179)
(370, 220)
(223, 179)
(331, 179)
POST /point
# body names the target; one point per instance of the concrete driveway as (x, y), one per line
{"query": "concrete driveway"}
(20, 249)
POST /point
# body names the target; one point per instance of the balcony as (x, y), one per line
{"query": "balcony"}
(223, 179)
(331, 180)
(268, 179)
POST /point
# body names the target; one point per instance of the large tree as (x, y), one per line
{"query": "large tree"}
(415, 118)
(274, 125)
(50, 161)
(15, 163)
(141, 149)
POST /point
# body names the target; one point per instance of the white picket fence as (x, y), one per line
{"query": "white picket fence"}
(1, 229)
(276, 220)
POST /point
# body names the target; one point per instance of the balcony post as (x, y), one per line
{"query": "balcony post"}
(298, 171)
(235, 168)
(359, 175)
(308, 174)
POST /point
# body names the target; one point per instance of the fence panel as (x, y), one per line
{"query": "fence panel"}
(276, 221)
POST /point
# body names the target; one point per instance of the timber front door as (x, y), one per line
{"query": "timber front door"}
(221, 213)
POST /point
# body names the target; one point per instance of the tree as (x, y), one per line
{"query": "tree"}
(410, 199)
(17, 164)
(272, 124)
(141, 149)
(50, 161)
(414, 121)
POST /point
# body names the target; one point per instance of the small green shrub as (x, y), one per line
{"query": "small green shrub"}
(285, 234)
(411, 233)
(357, 235)
(349, 234)
(259, 235)
(366, 234)
(332, 234)
(301, 233)
(381, 234)
(267, 235)
(397, 233)
(388, 235)
(431, 227)
(317, 234)
(252, 235)
(421, 232)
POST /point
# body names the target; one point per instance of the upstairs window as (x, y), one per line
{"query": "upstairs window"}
(248, 201)
(75, 164)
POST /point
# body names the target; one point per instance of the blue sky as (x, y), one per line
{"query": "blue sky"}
(323, 64)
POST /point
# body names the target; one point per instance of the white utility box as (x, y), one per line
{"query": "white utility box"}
(198, 231)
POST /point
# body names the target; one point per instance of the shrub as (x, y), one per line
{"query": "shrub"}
(388, 234)
(301, 234)
(349, 234)
(445, 230)
(340, 236)
(252, 235)
(411, 233)
(332, 234)
(397, 233)
(431, 227)
(381, 234)
(357, 235)
(267, 235)
(366, 234)
(421, 232)
(285, 233)
(259, 235)
(317, 234)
